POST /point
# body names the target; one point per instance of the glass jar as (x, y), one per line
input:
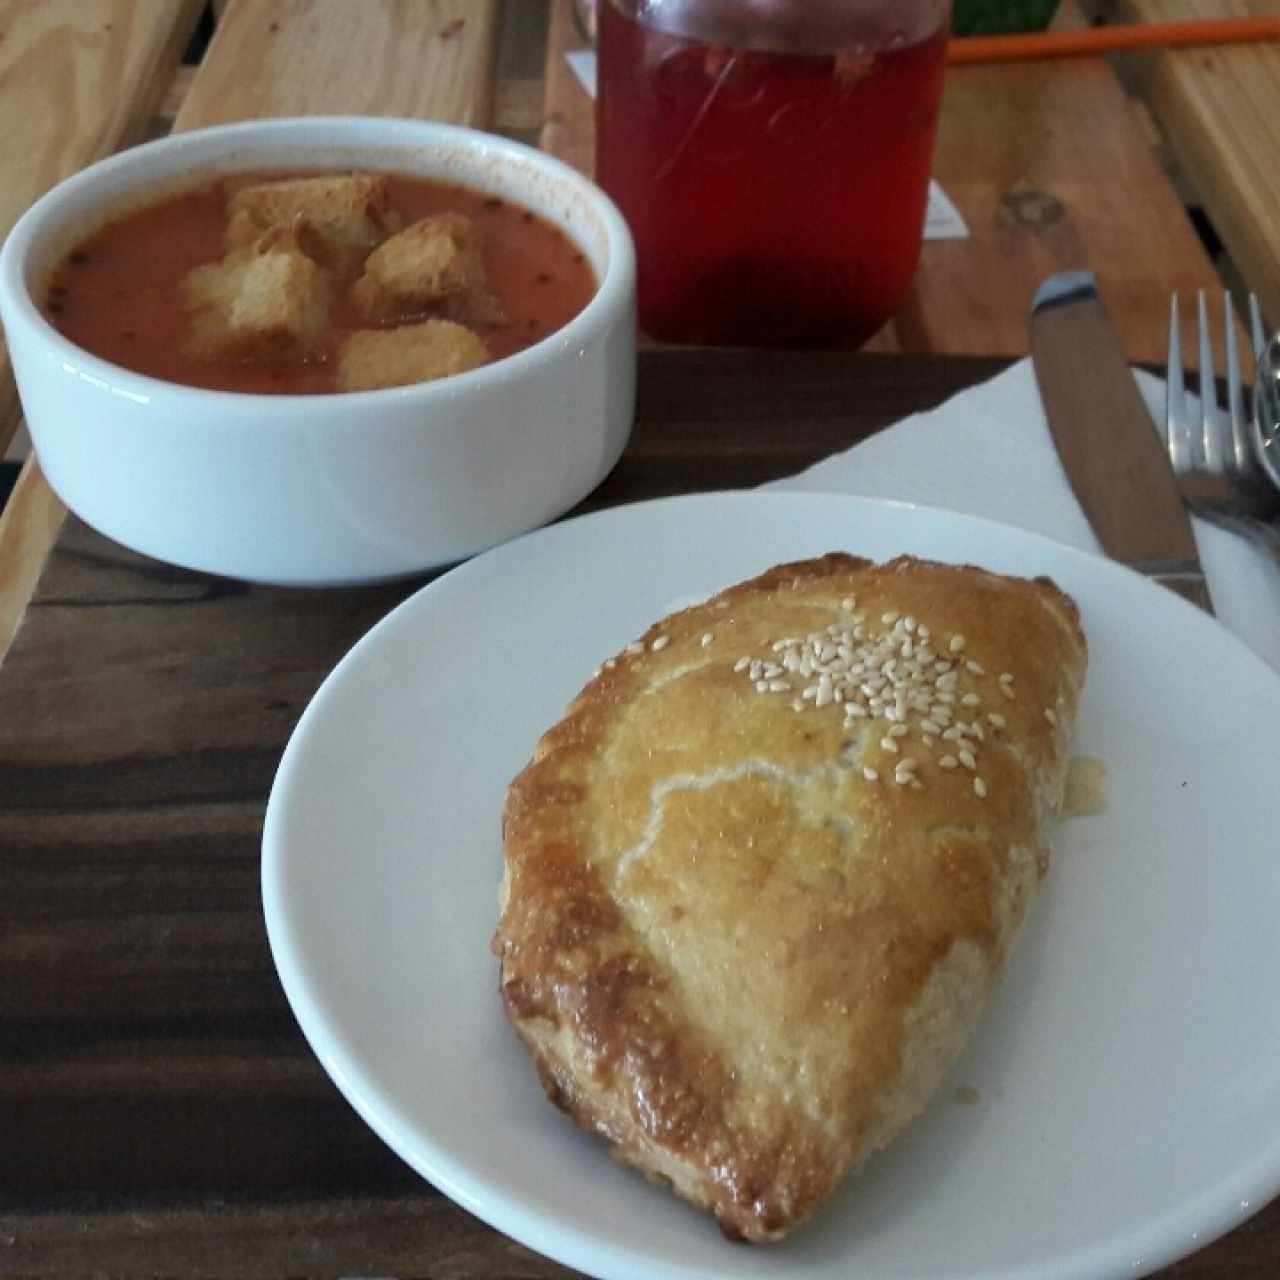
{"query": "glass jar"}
(773, 160)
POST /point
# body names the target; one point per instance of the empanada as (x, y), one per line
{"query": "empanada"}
(761, 878)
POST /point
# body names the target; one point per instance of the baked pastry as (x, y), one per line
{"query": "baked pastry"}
(763, 875)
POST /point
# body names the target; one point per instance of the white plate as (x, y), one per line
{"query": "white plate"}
(1127, 1073)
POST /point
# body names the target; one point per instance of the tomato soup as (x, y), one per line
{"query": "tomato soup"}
(123, 293)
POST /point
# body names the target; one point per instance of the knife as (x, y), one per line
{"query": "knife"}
(1113, 457)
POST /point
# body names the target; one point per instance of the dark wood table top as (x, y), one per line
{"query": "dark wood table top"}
(160, 1112)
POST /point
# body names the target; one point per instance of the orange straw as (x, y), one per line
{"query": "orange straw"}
(1097, 40)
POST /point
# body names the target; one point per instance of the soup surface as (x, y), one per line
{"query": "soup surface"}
(126, 292)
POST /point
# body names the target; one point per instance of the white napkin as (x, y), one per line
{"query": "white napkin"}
(988, 452)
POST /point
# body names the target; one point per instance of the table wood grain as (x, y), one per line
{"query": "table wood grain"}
(160, 1112)
(1217, 108)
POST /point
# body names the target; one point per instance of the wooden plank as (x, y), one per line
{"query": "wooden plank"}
(1217, 109)
(422, 58)
(29, 525)
(569, 127)
(77, 82)
(1052, 170)
(404, 1235)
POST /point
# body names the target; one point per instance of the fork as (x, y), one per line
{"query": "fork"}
(1214, 459)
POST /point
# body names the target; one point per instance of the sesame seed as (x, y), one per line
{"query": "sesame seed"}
(1008, 692)
(779, 686)
(889, 744)
(797, 705)
(957, 643)
(1006, 677)
(967, 759)
(979, 787)
(927, 739)
(742, 664)
(610, 663)
(706, 638)
(976, 668)
(1050, 715)
(762, 686)
(889, 618)
(595, 675)
(855, 710)
(948, 762)
(970, 700)
(660, 642)
(870, 774)
(909, 623)
(929, 726)
(898, 730)
(996, 720)
(847, 604)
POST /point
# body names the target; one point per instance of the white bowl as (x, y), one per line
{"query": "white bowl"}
(327, 489)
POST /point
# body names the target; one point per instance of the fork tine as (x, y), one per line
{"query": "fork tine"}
(1176, 427)
(1240, 458)
(1210, 450)
(1257, 330)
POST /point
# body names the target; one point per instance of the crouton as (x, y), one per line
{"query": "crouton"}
(372, 358)
(433, 261)
(270, 299)
(349, 212)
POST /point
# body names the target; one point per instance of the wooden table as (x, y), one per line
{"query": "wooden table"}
(159, 1111)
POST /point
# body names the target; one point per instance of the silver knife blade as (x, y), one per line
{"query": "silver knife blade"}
(1117, 466)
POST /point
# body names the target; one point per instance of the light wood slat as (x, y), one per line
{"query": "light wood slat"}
(77, 81)
(29, 525)
(422, 58)
(1052, 168)
(517, 104)
(569, 129)
(1219, 109)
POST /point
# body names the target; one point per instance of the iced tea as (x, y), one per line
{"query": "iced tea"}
(776, 198)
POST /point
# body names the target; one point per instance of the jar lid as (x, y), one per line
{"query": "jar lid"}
(793, 26)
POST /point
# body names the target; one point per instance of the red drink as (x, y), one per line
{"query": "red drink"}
(776, 199)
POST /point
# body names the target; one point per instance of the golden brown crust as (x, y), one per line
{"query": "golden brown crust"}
(730, 952)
